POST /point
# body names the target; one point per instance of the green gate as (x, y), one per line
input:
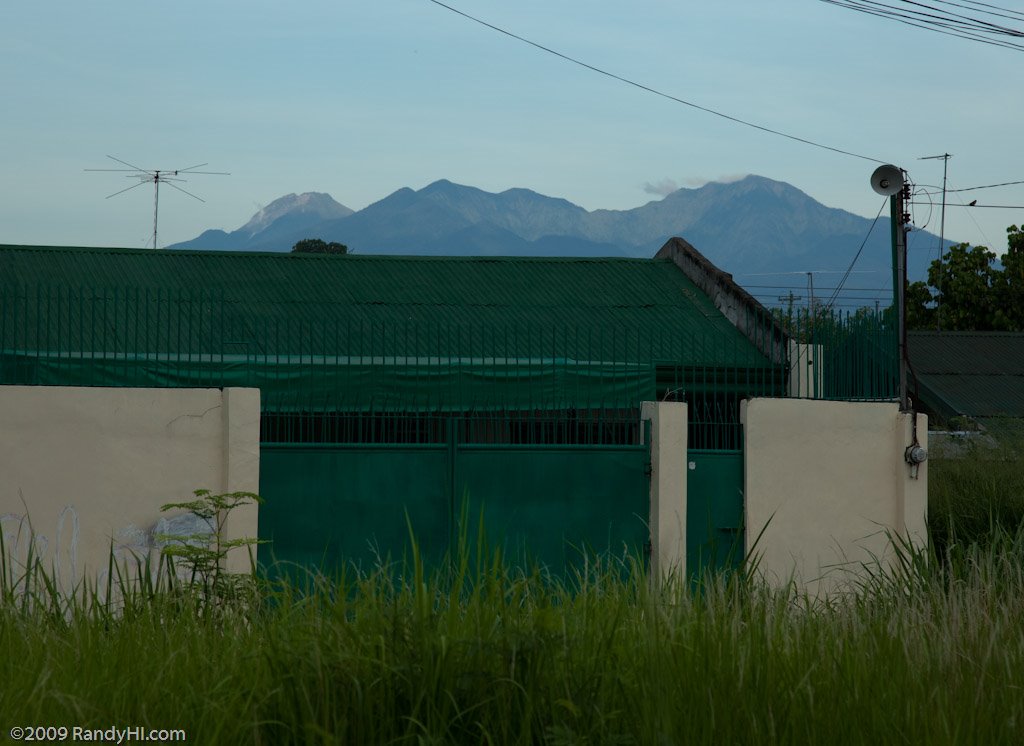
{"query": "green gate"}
(326, 505)
(714, 511)
(333, 505)
(557, 505)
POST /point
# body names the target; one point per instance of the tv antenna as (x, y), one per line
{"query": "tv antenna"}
(942, 230)
(156, 177)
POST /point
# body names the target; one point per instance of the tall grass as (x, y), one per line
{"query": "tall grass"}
(474, 651)
(977, 497)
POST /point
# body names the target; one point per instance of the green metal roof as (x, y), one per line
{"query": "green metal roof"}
(978, 374)
(399, 305)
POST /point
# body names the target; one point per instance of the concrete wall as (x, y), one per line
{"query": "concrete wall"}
(825, 482)
(668, 486)
(84, 469)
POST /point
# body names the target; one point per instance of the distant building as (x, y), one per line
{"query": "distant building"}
(977, 376)
(397, 390)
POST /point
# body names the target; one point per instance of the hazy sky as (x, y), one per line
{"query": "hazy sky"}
(359, 99)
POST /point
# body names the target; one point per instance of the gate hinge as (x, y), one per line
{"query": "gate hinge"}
(648, 469)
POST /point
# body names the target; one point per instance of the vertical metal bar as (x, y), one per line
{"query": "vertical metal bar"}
(5, 376)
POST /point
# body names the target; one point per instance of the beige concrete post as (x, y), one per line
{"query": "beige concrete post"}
(668, 487)
(241, 427)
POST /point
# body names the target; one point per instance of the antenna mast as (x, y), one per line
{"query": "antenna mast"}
(942, 232)
(156, 177)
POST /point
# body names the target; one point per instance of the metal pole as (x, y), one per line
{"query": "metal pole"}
(156, 204)
(899, 249)
(942, 236)
(942, 233)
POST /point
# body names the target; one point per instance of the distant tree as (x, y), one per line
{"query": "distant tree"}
(920, 306)
(318, 246)
(1010, 288)
(966, 291)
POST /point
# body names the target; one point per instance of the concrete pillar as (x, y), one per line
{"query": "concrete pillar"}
(241, 432)
(668, 487)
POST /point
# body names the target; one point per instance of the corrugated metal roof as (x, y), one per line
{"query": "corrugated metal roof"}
(584, 298)
(978, 374)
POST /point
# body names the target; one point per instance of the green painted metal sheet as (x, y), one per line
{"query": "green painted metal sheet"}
(289, 292)
(558, 506)
(328, 507)
(978, 374)
(714, 511)
(334, 506)
(332, 333)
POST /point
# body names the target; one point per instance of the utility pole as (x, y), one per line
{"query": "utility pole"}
(900, 220)
(942, 232)
(790, 298)
(891, 181)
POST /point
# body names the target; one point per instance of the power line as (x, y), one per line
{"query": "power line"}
(939, 21)
(804, 287)
(969, 5)
(937, 18)
(979, 207)
(856, 256)
(655, 91)
(987, 186)
(970, 214)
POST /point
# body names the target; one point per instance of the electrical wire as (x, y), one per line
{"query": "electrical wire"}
(1013, 15)
(939, 21)
(986, 186)
(937, 18)
(978, 207)
(839, 287)
(988, 241)
(816, 287)
(655, 91)
(931, 207)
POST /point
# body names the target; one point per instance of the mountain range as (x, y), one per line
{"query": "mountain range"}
(754, 226)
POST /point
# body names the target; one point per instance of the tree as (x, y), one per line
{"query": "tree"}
(967, 291)
(966, 281)
(318, 246)
(920, 306)
(1010, 289)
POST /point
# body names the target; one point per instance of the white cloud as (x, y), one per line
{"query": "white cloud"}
(662, 188)
(699, 181)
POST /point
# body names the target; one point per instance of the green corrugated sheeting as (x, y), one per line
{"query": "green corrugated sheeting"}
(977, 374)
(396, 331)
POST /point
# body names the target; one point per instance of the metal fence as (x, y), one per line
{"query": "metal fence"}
(326, 377)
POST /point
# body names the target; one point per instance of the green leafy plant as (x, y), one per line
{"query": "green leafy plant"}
(205, 554)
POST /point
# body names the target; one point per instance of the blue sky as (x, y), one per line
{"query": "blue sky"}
(359, 99)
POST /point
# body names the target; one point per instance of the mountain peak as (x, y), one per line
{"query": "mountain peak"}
(439, 185)
(316, 204)
(450, 189)
(752, 224)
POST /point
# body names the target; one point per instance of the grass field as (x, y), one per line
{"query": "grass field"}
(481, 654)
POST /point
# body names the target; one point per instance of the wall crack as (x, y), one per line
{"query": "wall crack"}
(199, 416)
